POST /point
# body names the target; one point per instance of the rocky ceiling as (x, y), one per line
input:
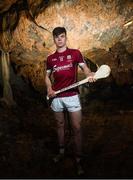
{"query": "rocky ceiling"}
(101, 29)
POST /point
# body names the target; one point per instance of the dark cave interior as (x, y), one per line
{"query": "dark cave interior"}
(103, 30)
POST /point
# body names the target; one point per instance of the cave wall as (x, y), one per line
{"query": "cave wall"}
(91, 24)
(95, 27)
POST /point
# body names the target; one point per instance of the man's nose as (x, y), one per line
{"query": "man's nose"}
(59, 38)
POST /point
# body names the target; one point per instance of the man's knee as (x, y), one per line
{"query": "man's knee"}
(60, 124)
(59, 119)
(77, 129)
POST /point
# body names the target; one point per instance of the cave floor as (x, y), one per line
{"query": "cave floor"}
(29, 142)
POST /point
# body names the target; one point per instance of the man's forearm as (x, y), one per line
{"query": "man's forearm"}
(48, 82)
(86, 70)
(50, 91)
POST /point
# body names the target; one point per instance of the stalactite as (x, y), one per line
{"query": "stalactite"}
(7, 90)
(5, 62)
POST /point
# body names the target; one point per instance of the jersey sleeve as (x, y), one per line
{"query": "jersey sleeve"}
(80, 59)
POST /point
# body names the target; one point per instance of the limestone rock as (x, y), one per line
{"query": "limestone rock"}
(93, 26)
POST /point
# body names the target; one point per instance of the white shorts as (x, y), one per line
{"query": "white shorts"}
(71, 103)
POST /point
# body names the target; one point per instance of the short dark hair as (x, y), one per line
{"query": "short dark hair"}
(58, 30)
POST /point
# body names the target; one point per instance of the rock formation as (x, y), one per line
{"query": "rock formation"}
(101, 29)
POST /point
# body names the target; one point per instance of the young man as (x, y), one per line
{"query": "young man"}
(63, 66)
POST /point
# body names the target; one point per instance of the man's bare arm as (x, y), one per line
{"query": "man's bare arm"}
(88, 73)
(50, 91)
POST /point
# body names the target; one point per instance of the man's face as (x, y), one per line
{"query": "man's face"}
(60, 40)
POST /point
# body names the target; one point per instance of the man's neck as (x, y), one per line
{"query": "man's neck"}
(62, 49)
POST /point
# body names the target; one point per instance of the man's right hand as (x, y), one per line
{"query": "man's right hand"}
(51, 92)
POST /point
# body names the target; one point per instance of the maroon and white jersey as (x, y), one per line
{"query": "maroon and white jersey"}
(64, 67)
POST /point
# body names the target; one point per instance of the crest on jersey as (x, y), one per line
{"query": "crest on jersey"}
(69, 57)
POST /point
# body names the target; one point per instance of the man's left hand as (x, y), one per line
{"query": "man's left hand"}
(91, 77)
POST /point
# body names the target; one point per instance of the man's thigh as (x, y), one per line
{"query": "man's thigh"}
(76, 118)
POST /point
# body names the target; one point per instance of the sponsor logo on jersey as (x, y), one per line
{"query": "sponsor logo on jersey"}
(54, 59)
(62, 68)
